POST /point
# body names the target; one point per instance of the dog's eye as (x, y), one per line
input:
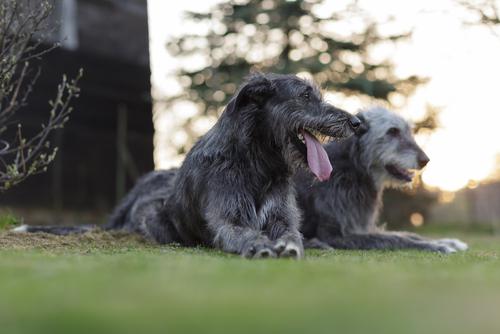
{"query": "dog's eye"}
(394, 132)
(306, 96)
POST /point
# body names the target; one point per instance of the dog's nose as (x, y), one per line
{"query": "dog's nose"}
(423, 160)
(355, 122)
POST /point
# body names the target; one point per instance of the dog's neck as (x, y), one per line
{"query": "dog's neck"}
(366, 163)
(352, 177)
(270, 149)
(349, 159)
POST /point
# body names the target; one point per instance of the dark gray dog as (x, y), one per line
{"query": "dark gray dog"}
(343, 212)
(234, 190)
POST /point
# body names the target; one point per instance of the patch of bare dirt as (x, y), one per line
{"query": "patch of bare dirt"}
(95, 240)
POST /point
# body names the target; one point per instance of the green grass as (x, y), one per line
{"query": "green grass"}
(101, 283)
(8, 220)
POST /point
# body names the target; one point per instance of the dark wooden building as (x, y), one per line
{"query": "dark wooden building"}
(108, 141)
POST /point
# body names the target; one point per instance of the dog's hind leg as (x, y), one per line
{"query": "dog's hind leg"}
(149, 218)
(315, 243)
(118, 217)
(150, 186)
(386, 241)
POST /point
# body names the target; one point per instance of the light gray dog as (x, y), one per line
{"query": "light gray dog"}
(234, 190)
(343, 211)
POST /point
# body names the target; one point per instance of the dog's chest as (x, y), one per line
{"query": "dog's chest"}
(270, 197)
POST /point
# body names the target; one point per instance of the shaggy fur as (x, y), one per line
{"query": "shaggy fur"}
(234, 190)
(343, 212)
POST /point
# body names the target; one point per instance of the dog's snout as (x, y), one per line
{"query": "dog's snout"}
(355, 122)
(423, 160)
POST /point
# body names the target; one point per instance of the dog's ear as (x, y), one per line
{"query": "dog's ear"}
(363, 127)
(256, 90)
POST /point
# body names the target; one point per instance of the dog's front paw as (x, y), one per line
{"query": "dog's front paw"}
(453, 243)
(444, 249)
(289, 249)
(259, 249)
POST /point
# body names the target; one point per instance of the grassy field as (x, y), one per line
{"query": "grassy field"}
(102, 283)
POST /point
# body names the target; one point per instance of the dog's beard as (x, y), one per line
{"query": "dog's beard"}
(397, 172)
(294, 157)
(397, 176)
(391, 182)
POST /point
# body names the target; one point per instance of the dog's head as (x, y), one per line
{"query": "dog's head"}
(389, 146)
(292, 111)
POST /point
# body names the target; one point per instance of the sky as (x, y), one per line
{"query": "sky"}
(461, 62)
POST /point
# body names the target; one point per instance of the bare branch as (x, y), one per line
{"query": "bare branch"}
(23, 26)
(486, 11)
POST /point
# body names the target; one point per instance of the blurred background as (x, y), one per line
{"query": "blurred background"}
(157, 74)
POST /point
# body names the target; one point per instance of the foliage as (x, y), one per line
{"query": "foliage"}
(22, 28)
(8, 220)
(285, 37)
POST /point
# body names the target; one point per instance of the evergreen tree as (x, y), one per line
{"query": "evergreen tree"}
(285, 37)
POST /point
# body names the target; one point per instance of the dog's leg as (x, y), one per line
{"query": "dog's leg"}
(247, 242)
(455, 243)
(231, 220)
(387, 241)
(409, 235)
(315, 243)
(451, 242)
(287, 239)
(149, 218)
(282, 225)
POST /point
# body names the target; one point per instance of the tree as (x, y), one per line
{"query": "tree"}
(23, 27)
(285, 37)
(486, 12)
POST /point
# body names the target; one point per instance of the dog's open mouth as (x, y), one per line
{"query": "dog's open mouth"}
(400, 173)
(313, 150)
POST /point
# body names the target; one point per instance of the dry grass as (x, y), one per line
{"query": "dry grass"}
(81, 243)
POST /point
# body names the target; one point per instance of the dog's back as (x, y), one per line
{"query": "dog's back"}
(155, 184)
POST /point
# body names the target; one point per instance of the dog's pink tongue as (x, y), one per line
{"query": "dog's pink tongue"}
(317, 158)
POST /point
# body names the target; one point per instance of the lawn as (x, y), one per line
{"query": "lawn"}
(102, 283)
